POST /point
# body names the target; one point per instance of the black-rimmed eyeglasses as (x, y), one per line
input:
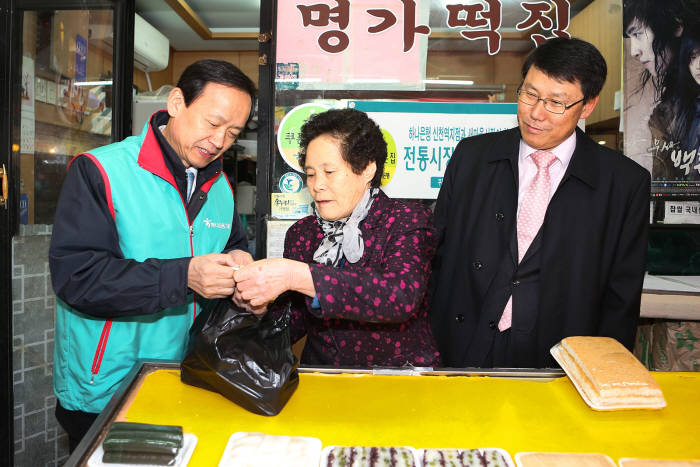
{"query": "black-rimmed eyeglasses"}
(550, 105)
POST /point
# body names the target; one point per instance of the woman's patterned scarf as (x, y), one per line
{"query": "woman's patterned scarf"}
(344, 237)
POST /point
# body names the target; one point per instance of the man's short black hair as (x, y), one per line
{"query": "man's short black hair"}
(361, 140)
(210, 70)
(571, 60)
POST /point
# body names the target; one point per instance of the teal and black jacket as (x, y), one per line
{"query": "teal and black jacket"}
(121, 245)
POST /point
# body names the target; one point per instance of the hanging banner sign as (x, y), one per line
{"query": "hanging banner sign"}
(382, 44)
(366, 44)
(425, 135)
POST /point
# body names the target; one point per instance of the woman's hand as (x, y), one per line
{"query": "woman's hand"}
(262, 281)
(256, 310)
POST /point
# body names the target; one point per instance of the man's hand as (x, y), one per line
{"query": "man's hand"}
(240, 257)
(211, 276)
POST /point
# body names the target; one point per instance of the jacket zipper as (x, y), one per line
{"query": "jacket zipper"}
(194, 303)
(100, 352)
(102, 344)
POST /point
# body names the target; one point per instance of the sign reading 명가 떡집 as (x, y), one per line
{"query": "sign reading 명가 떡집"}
(382, 44)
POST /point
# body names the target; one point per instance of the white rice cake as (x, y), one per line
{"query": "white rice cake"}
(262, 450)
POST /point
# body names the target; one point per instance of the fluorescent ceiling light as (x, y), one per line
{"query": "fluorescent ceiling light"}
(449, 81)
(372, 80)
(234, 30)
(92, 83)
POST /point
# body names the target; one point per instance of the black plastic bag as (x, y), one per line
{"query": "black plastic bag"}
(247, 360)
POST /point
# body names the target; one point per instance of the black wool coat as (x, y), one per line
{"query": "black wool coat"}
(582, 275)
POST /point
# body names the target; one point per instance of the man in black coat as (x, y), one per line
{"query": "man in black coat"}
(502, 301)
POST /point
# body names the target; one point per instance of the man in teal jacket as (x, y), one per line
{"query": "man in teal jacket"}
(144, 228)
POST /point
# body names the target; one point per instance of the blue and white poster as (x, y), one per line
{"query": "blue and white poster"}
(425, 134)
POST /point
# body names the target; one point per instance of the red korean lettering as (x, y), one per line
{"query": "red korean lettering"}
(388, 20)
(483, 24)
(563, 18)
(410, 29)
(537, 15)
(342, 41)
(322, 15)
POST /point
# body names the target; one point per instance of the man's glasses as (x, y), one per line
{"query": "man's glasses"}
(550, 105)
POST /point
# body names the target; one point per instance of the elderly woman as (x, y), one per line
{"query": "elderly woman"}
(356, 272)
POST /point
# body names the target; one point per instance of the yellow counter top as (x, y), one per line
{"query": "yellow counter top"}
(433, 411)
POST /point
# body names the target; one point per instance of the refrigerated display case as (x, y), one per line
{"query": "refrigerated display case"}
(516, 410)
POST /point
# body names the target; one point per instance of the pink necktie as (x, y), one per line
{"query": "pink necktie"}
(530, 217)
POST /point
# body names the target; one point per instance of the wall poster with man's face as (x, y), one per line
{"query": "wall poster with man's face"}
(662, 97)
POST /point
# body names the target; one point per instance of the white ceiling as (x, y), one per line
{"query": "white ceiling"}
(218, 15)
(244, 16)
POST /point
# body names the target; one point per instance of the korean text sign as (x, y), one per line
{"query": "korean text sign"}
(382, 44)
(426, 133)
(363, 44)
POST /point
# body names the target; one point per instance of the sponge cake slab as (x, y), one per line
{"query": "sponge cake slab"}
(607, 375)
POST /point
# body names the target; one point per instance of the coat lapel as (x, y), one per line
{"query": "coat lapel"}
(508, 149)
(584, 167)
(584, 164)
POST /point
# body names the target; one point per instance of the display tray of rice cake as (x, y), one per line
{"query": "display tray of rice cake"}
(562, 459)
(632, 462)
(486, 457)
(261, 450)
(607, 375)
(368, 456)
(129, 444)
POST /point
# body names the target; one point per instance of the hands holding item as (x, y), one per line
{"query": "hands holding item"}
(240, 257)
(261, 282)
(252, 284)
(211, 276)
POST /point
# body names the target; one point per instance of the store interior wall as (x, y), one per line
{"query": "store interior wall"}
(38, 439)
(600, 23)
(246, 60)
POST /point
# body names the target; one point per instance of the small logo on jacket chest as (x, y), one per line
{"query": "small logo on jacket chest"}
(216, 225)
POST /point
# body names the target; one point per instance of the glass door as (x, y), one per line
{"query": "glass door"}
(70, 91)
